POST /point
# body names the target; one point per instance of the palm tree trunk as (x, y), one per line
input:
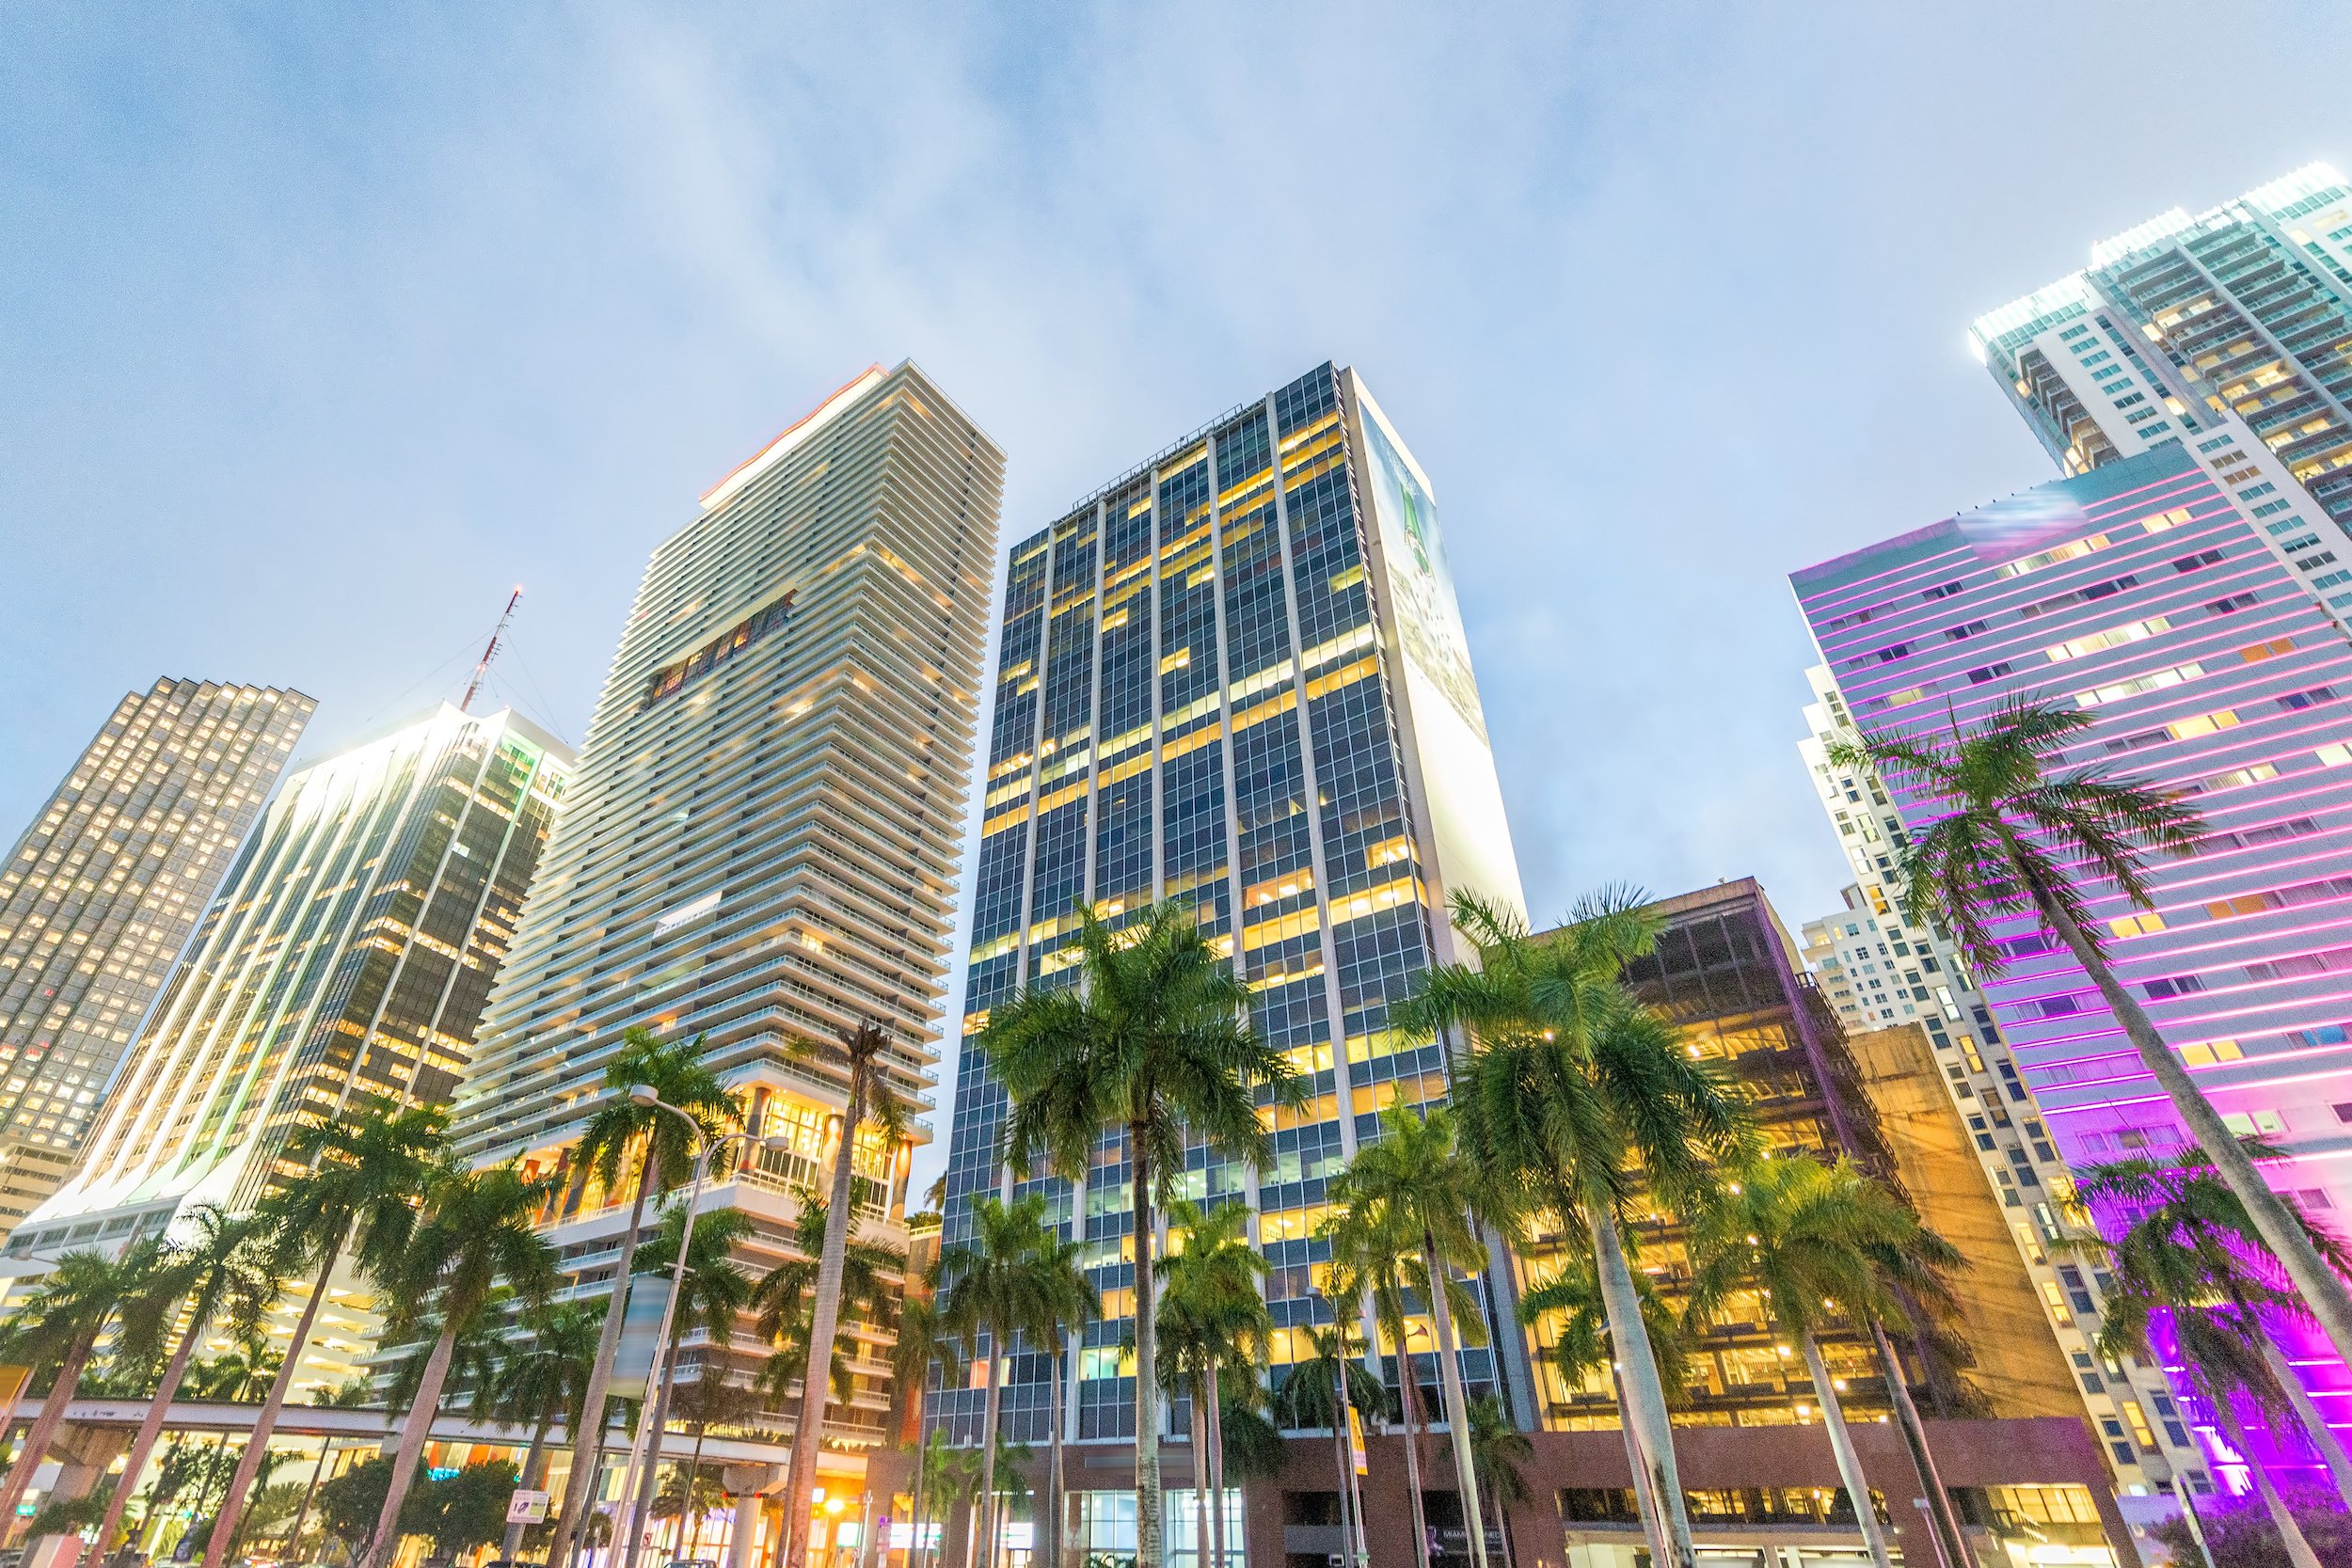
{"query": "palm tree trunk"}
(1645, 1397)
(1456, 1402)
(1217, 1469)
(1408, 1407)
(1943, 1524)
(2315, 1426)
(413, 1432)
(2322, 1289)
(1841, 1445)
(655, 1428)
(1147, 1358)
(914, 1503)
(150, 1431)
(44, 1430)
(2299, 1553)
(1644, 1500)
(980, 1551)
(1200, 1479)
(824, 1319)
(588, 1442)
(1054, 1481)
(265, 1419)
(534, 1469)
(694, 1472)
(1343, 1451)
(302, 1514)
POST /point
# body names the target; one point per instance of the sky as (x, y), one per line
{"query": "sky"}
(323, 327)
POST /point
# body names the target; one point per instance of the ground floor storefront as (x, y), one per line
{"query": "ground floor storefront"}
(2031, 1494)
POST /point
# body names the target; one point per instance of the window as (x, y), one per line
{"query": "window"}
(2198, 562)
(2136, 924)
(2271, 649)
(2177, 985)
(2059, 1006)
(2112, 636)
(2310, 697)
(1957, 634)
(1893, 651)
(2231, 604)
(1990, 671)
(2072, 551)
(1942, 591)
(2202, 723)
(2080, 596)
(2154, 681)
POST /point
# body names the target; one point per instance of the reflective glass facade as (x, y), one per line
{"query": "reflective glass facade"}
(1237, 676)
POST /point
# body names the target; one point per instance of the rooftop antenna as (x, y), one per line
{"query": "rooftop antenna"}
(464, 703)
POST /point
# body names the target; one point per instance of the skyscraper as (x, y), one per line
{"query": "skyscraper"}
(347, 955)
(1882, 972)
(102, 890)
(2225, 332)
(2139, 593)
(761, 841)
(1235, 675)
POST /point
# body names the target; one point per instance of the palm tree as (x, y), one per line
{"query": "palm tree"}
(2189, 1245)
(2220, 1344)
(365, 1172)
(663, 1147)
(1016, 1276)
(1572, 1097)
(1373, 1248)
(1581, 1349)
(478, 1232)
(1418, 1169)
(218, 1268)
(1154, 1041)
(943, 1475)
(542, 1377)
(1498, 1447)
(712, 1293)
(924, 1336)
(1212, 1314)
(2004, 850)
(1326, 1390)
(59, 1326)
(1071, 1303)
(860, 1052)
(1803, 1234)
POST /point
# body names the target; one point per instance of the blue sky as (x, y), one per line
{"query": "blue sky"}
(322, 327)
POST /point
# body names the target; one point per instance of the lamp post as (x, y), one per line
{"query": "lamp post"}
(644, 1449)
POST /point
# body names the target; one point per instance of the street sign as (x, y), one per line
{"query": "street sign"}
(527, 1507)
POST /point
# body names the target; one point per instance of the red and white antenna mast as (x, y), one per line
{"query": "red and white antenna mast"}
(464, 703)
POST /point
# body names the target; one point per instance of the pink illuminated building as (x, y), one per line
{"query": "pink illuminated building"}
(2140, 593)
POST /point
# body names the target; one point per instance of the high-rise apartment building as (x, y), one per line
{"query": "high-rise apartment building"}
(102, 890)
(761, 841)
(1237, 676)
(2140, 594)
(2224, 332)
(1881, 972)
(347, 957)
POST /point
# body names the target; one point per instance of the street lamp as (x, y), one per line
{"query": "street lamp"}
(657, 1376)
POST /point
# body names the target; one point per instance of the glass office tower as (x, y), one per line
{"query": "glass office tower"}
(101, 893)
(761, 843)
(2141, 594)
(1235, 675)
(347, 955)
(2225, 332)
